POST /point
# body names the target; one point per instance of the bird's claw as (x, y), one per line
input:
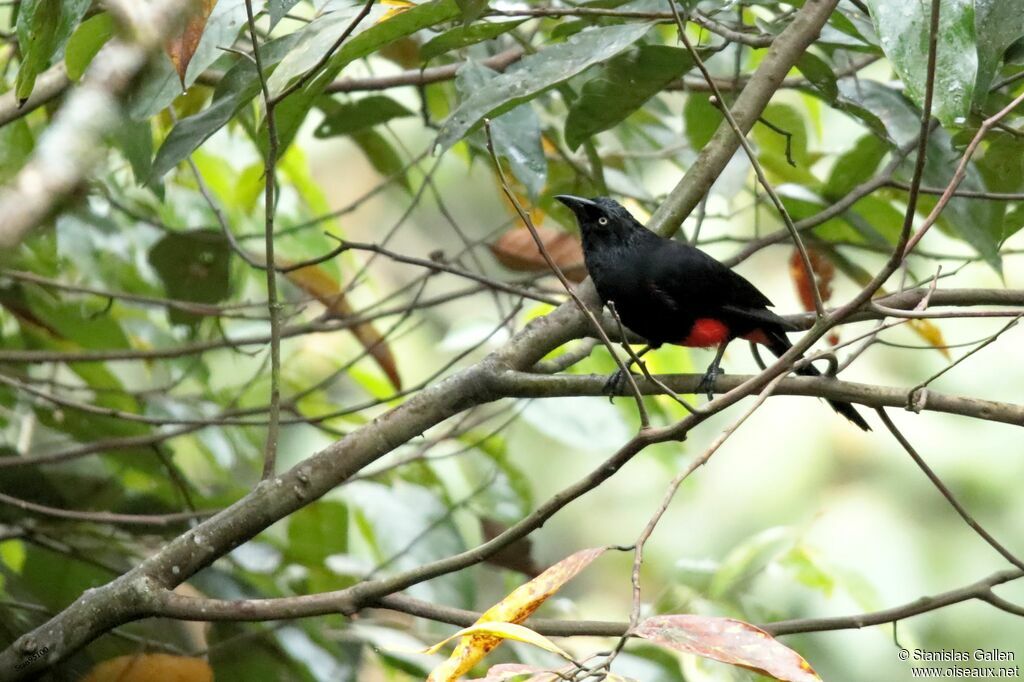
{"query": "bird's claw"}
(614, 385)
(707, 382)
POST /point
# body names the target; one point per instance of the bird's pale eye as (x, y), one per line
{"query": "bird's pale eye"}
(602, 221)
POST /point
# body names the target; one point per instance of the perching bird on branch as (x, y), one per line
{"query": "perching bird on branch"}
(669, 292)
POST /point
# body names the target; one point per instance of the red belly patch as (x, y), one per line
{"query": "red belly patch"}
(706, 332)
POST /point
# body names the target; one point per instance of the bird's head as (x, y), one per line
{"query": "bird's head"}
(600, 216)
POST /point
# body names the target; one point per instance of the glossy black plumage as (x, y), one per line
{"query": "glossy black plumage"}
(661, 288)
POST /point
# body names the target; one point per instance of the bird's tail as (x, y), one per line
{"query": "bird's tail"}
(779, 344)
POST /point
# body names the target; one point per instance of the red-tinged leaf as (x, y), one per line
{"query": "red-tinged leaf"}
(515, 671)
(514, 608)
(824, 273)
(181, 48)
(517, 250)
(729, 641)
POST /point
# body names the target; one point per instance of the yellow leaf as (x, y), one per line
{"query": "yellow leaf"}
(931, 333)
(398, 6)
(475, 638)
(514, 608)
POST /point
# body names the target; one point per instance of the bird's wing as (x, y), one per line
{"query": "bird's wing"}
(685, 273)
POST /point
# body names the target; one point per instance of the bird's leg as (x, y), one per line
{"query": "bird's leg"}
(707, 382)
(614, 384)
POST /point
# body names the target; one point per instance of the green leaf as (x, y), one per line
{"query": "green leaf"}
(903, 28)
(471, 9)
(278, 8)
(748, 559)
(793, 136)
(293, 110)
(855, 166)
(381, 154)
(135, 140)
(819, 74)
(700, 119)
(313, 41)
(621, 86)
(43, 28)
(85, 42)
(462, 36)
(978, 222)
(348, 118)
(193, 267)
(1002, 166)
(998, 23)
(16, 144)
(239, 85)
(317, 531)
(516, 133)
(536, 73)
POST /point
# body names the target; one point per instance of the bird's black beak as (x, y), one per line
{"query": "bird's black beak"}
(577, 205)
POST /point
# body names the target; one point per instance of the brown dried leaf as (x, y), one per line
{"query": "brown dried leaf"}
(517, 251)
(514, 608)
(729, 641)
(181, 48)
(318, 283)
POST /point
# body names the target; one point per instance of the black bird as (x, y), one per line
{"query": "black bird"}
(670, 292)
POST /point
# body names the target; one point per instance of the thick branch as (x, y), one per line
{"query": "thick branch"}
(527, 385)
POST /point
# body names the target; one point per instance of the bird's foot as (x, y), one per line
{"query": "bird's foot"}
(614, 385)
(707, 382)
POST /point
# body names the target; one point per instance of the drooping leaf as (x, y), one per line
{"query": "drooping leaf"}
(998, 23)
(135, 140)
(382, 156)
(517, 251)
(819, 74)
(292, 111)
(782, 132)
(700, 120)
(278, 8)
(193, 266)
(903, 29)
(621, 86)
(514, 608)
(239, 85)
(313, 41)
(43, 29)
(978, 222)
(367, 112)
(822, 273)
(316, 282)
(463, 36)
(537, 73)
(317, 531)
(729, 641)
(471, 9)
(85, 42)
(180, 48)
(516, 133)
(855, 166)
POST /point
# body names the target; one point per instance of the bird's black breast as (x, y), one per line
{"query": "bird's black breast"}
(623, 275)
